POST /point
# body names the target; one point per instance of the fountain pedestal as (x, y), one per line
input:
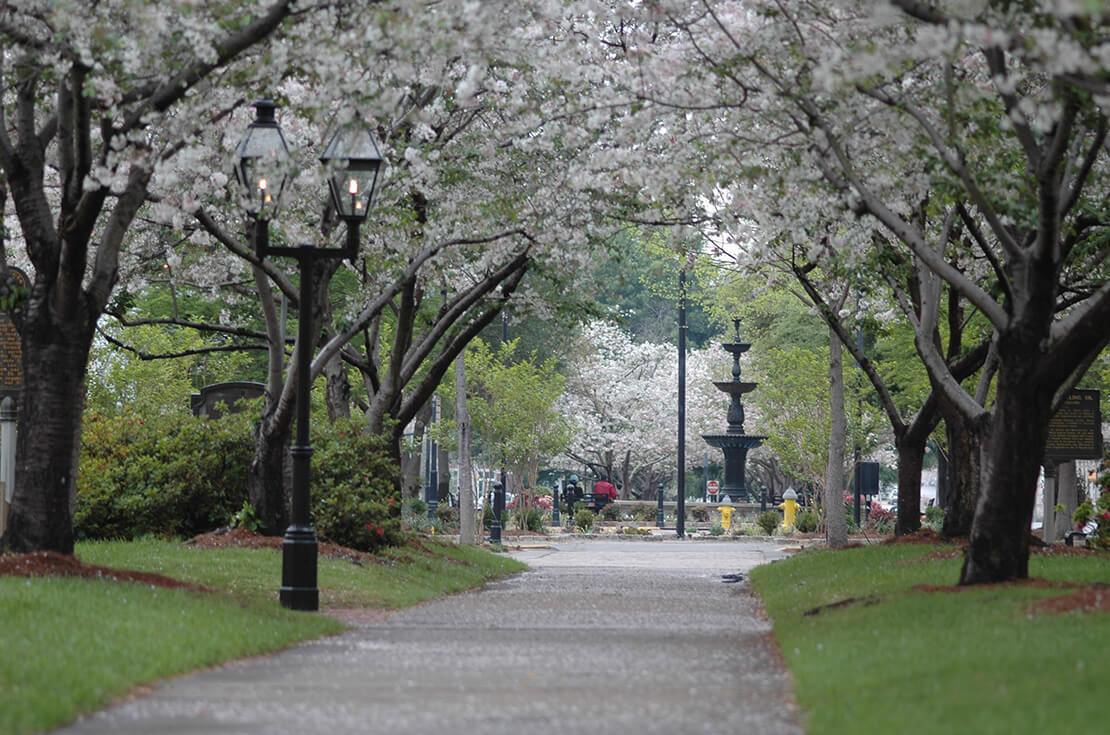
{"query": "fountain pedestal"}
(734, 443)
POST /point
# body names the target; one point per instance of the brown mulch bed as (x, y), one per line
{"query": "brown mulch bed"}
(1035, 583)
(921, 536)
(53, 564)
(1064, 550)
(1094, 598)
(242, 538)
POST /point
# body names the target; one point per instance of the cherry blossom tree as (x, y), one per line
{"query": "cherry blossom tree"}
(976, 128)
(96, 98)
(621, 401)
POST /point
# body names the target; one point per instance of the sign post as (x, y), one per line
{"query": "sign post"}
(1074, 432)
(11, 385)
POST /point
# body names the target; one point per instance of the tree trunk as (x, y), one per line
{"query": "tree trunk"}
(338, 390)
(1067, 495)
(55, 356)
(963, 475)
(998, 548)
(836, 524)
(269, 479)
(443, 474)
(911, 458)
(410, 460)
(467, 532)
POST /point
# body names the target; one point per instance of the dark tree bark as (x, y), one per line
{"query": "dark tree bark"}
(269, 479)
(911, 457)
(998, 546)
(55, 356)
(962, 474)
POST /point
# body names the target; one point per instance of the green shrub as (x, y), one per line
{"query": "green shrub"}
(698, 514)
(768, 521)
(487, 518)
(806, 522)
(416, 507)
(529, 518)
(584, 520)
(633, 531)
(447, 516)
(644, 512)
(354, 501)
(611, 512)
(716, 530)
(173, 475)
(179, 475)
(934, 518)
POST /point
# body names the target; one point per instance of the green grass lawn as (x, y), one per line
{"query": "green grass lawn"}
(72, 645)
(909, 661)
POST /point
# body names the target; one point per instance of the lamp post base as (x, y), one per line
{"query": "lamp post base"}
(298, 570)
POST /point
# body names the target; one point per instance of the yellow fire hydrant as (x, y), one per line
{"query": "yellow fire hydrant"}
(726, 516)
(789, 507)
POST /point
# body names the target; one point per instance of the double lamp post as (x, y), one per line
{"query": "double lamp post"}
(263, 170)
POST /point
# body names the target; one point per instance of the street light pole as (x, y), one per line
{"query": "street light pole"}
(262, 165)
(298, 549)
(431, 486)
(499, 487)
(680, 513)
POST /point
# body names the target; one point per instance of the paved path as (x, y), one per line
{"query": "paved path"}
(600, 637)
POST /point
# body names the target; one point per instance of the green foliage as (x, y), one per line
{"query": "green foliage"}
(634, 531)
(512, 408)
(1098, 511)
(179, 475)
(698, 514)
(246, 518)
(354, 501)
(121, 382)
(447, 516)
(528, 518)
(644, 512)
(172, 474)
(611, 512)
(768, 521)
(716, 530)
(487, 518)
(416, 507)
(934, 518)
(806, 522)
(584, 520)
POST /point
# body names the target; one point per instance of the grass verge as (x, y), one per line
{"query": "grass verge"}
(72, 645)
(892, 658)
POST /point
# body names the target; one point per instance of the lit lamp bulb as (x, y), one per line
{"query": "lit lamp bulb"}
(262, 189)
(352, 188)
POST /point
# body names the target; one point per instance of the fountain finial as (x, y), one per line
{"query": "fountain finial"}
(736, 325)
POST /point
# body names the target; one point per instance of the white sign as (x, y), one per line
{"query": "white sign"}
(712, 487)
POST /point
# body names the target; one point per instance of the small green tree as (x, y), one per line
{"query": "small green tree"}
(512, 407)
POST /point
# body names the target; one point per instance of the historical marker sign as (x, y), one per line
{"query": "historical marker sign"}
(11, 351)
(1075, 432)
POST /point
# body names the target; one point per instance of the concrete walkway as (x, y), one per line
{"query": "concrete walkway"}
(600, 637)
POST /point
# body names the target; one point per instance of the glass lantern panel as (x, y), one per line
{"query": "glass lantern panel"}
(263, 171)
(353, 190)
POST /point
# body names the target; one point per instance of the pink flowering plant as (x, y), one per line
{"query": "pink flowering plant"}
(1097, 512)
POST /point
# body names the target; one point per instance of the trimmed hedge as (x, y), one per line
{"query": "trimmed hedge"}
(181, 475)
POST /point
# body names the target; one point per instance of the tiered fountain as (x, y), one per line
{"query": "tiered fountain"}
(734, 442)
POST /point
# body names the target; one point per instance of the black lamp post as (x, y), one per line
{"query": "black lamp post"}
(263, 172)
